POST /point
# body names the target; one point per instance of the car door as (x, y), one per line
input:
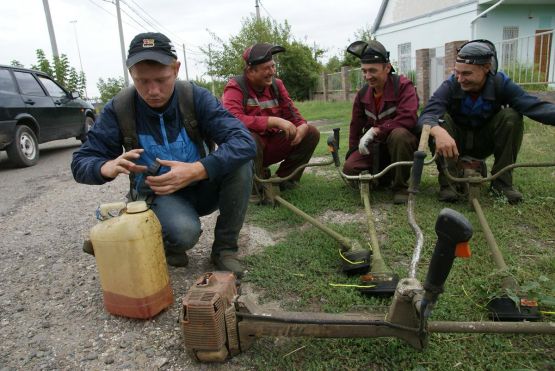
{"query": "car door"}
(37, 104)
(69, 113)
(11, 105)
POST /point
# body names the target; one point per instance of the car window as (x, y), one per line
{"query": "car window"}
(53, 89)
(28, 84)
(6, 82)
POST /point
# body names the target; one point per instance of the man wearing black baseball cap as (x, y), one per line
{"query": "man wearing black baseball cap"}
(383, 118)
(262, 103)
(481, 110)
(164, 124)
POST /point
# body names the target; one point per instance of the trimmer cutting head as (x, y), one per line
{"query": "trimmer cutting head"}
(379, 284)
(355, 262)
(505, 309)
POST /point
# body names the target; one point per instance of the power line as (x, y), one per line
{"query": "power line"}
(156, 22)
(177, 40)
(142, 27)
(266, 10)
(112, 14)
(139, 15)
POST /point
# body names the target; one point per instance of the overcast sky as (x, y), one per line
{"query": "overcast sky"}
(23, 29)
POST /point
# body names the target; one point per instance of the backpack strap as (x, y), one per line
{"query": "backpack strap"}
(498, 83)
(275, 89)
(185, 99)
(395, 79)
(240, 79)
(124, 106)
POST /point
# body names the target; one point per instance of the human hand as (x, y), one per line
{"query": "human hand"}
(300, 134)
(366, 139)
(123, 164)
(445, 144)
(181, 174)
(287, 127)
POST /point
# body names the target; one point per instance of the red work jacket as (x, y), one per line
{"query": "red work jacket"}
(260, 105)
(393, 112)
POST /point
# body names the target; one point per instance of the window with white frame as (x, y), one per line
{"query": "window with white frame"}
(404, 51)
(509, 47)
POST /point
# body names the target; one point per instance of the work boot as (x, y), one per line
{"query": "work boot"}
(401, 197)
(226, 260)
(447, 194)
(513, 196)
(177, 259)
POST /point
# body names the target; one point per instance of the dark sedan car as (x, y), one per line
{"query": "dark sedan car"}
(36, 109)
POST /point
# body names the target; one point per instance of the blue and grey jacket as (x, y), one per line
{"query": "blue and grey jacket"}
(163, 136)
(498, 91)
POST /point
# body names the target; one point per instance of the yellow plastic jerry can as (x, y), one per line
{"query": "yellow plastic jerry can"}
(130, 260)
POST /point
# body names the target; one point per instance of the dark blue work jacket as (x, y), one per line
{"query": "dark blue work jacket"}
(497, 92)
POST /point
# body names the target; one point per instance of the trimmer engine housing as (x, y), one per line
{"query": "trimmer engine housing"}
(209, 323)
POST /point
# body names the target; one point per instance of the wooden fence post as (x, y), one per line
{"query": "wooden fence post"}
(345, 82)
(325, 86)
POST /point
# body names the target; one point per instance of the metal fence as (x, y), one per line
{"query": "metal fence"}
(528, 60)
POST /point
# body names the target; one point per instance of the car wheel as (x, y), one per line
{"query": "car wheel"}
(89, 122)
(24, 150)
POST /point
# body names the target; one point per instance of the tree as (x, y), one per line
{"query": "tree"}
(297, 67)
(62, 71)
(109, 88)
(299, 70)
(334, 64)
(16, 63)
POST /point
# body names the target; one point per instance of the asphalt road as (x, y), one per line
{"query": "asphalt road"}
(51, 305)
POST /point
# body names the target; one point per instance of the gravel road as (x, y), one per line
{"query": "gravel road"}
(51, 308)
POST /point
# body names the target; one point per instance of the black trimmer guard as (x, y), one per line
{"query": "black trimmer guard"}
(355, 262)
(379, 284)
(505, 309)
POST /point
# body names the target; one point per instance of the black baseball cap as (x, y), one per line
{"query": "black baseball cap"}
(260, 53)
(151, 46)
(480, 52)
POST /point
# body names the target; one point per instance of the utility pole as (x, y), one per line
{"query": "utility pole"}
(50, 29)
(257, 10)
(185, 63)
(122, 45)
(79, 52)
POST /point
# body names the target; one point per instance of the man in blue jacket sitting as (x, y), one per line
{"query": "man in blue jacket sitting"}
(482, 113)
(166, 135)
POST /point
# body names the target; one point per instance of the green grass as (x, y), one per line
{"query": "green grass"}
(298, 269)
(335, 114)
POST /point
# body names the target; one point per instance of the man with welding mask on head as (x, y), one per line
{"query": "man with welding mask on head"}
(477, 112)
(262, 103)
(383, 119)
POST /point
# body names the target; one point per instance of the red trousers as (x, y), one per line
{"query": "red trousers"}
(271, 149)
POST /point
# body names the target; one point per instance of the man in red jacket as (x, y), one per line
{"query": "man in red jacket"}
(383, 119)
(263, 104)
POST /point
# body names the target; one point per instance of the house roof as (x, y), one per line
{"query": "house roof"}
(486, 3)
(379, 16)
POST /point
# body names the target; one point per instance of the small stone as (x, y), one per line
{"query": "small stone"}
(108, 360)
(159, 362)
(91, 357)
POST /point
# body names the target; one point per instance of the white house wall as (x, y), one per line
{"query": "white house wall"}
(428, 32)
(528, 19)
(402, 10)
